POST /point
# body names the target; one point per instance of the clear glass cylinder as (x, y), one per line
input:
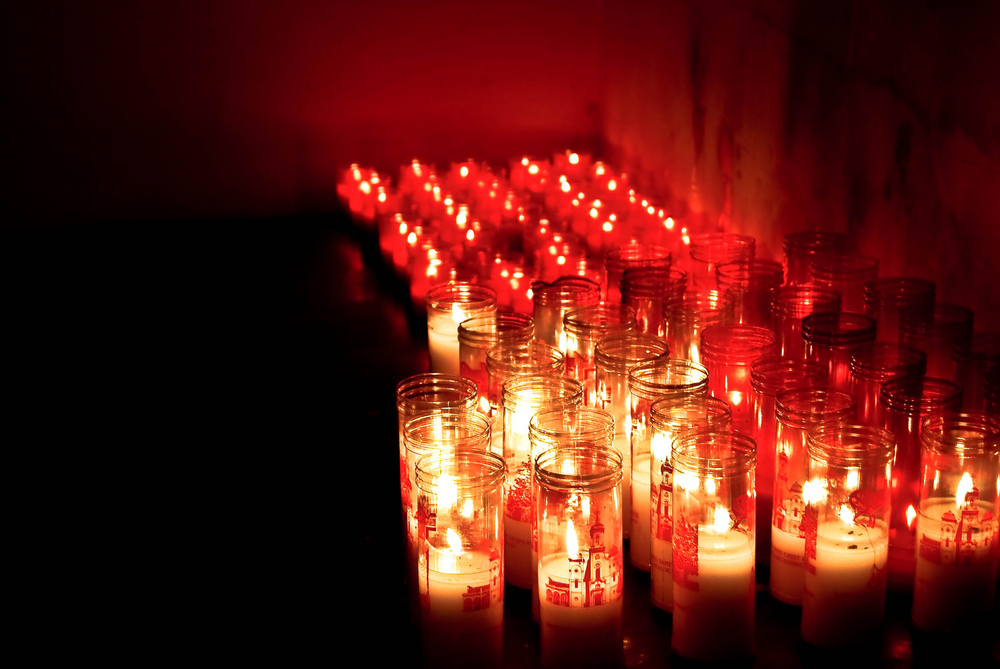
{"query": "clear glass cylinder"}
(728, 353)
(906, 402)
(686, 317)
(553, 300)
(949, 326)
(829, 340)
(874, 364)
(846, 527)
(958, 542)
(476, 336)
(750, 283)
(802, 247)
(448, 304)
(789, 305)
(709, 250)
(671, 418)
(648, 382)
(523, 397)
(509, 359)
(461, 561)
(623, 257)
(972, 360)
(579, 524)
(583, 327)
(847, 273)
(886, 299)
(769, 375)
(647, 290)
(713, 545)
(796, 412)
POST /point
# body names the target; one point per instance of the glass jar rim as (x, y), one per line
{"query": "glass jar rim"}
(736, 455)
(432, 468)
(771, 374)
(595, 319)
(965, 433)
(431, 391)
(473, 296)
(555, 391)
(850, 445)
(801, 300)
(635, 255)
(909, 395)
(714, 411)
(668, 377)
(878, 361)
(448, 428)
(487, 331)
(603, 461)
(899, 290)
(839, 329)
(736, 344)
(623, 350)
(513, 357)
(564, 291)
(805, 407)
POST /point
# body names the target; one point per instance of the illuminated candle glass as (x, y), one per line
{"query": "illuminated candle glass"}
(460, 517)
(672, 417)
(796, 412)
(958, 542)
(887, 298)
(687, 316)
(523, 397)
(647, 290)
(789, 305)
(579, 524)
(949, 325)
(847, 273)
(583, 327)
(448, 304)
(476, 336)
(631, 256)
(769, 375)
(711, 249)
(846, 527)
(750, 283)
(728, 351)
(648, 382)
(972, 360)
(906, 403)
(509, 359)
(713, 545)
(829, 340)
(874, 364)
(553, 300)
(802, 247)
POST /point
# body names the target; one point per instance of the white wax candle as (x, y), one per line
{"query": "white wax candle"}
(956, 566)
(788, 575)
(639, 549)
(714, 609)
(844, 600)
(622, 443)
(443, 346)
(661, 578)
(462, 623)
(517, 552)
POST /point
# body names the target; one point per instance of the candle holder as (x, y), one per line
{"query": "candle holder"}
(687, 316)
(448, 304)
(948, 326)
(829, 340)
(713, 545)
(709, 250)
(958, 542)
(846, 526)
(461, 561)
(750, 283)
(476, 336)
(728, 352)
(789, 305)
(671, 418)
(889, 297)
(583, 327)
(874, 364)
(802, 247)
(553, 300)
(646, 290)
(847, 273)
(579, 523)
(631, 256)
(509, 359)
(972, 360)
(796, 412)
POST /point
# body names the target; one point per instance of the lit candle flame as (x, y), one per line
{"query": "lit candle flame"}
(722, 521)
(533, 169)
(366, 187)
(447, 492)
(660, 446)
(964, 486)
(911, 513)
(669, 223)
(607, 226)
(852, 479)
(454, 542)
(467, 508)
(457, 314)
(812, 492)
(565, 186)
(710, 486)
(573, 159)
(572, 547)
(846, 514)
(612, 184)
(464, 171)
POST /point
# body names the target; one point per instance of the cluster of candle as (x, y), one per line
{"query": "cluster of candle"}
(643, 323)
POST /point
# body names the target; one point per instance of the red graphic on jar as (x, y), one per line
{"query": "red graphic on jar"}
(868, 503)
(405, 488)
(685, 553)
(739, 514)
(519, 496)
(809, 527)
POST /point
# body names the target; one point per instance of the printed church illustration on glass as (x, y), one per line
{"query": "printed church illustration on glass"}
(663, 512)
(788, 513)
(965, 538)
(595, 576)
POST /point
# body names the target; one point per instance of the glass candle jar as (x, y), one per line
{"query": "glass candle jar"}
(728, 353)
(750, 283)
(553, 300)
(906, 402)
(713, 545)
(829, 340)
(972, 360)
(847, 273)
(579, 525)
(874, 364)
(789, 305)
(802, 247)
(523, 397)
(461, 560)
(583, 327)
(448, 304)
(648, 382)
(671, 418)
(631, 256)
(769, 375)
(647, 290)
(846, 527)
(796, 412)
(889, 297)
(686, 317)
(711, 249)
(476, 336)
(957, 535)
(509, 359)
(949, 326)
(991, 391)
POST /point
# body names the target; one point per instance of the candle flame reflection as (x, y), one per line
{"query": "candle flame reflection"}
(846, 514)
(572, 547)
(454, 542)
(965, 486)
(911, 513)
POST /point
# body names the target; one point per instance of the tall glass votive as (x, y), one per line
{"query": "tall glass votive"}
(728, 353)
(750, 283)
(846, 527)
(647, 290)
(797, 411)
(847, 273)
(509, 359)
(476, 336)
(553, 300)
(789, 305)
(991, 391)
(709, 250)
(523, 397)
(583, 327)
(906, 403)
(579, 525)
(648, 382)
(631, 256)
(802, 247)
(958, 542)
(687, 316)
(972, 360)
(713, 545)
(671, 418)
(874, 364)
(769, 375)
(886, 299)
(948, 326)
(829, 340)
(448, 304)
(460, 504)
